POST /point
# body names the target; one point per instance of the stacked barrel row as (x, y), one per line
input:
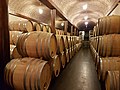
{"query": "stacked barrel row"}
(25, 25)
(40, 55)
(105, 47)
(59, 32)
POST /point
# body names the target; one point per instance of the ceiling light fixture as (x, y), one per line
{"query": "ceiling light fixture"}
(40, 11)
(86, 23)
(62, 24)
(85, 7)
(86, 17)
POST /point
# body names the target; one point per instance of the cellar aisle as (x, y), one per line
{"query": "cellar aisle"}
(79, 74)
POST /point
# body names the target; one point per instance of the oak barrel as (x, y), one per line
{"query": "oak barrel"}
(109, 45)
(55, 66)
(108, 64)
(23, 25)
(67, 55)
(14, 52)
(65, 38)
(62, 59)
(14, 36)
(60, 44)
(69, 41)
(28, 74)
(109, 25)
(39, 27)
(112, 80)
(37, 44)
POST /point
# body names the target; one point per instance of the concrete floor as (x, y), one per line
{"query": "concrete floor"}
(79, 74)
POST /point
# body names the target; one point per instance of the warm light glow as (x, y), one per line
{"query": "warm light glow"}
(86, 17)
(85, 7)
(86, 23)
(40, 11)
(62, 24)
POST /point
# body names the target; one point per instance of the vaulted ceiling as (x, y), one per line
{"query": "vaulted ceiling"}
(72, 9)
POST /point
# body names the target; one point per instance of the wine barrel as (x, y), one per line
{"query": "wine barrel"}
(108, 64)
(63, 59)
(14, 36)
(97, 30)
(28, 74)
(102, 25)
(78, 40)
(67, 55)
(46, 28)
(72, 41)
(69, 41)
(14, 53)
(70, 52)
(37, 44)
(60, 44)
(20, 44)
(39, 27)
(109, 25)
(106, 46)
(57, 32)
(65, 38)
(112, 80)
(55, 66)
(24, 26)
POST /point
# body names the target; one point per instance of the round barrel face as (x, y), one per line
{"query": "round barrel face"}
(63, 60)
(53, 45)
(45, 77)
(14, 52)
(56, 65)
(28, 26)
(65, 39)
(14, 35)
(60, 44)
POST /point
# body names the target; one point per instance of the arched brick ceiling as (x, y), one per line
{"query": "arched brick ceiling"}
(75, 13)
(72, 9)
(30, 8)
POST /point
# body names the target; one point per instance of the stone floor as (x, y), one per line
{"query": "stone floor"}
(79, 74)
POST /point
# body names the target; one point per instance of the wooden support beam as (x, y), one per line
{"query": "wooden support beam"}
(4, 42)
(72, 30)
(65, 27)
(53, 17)
(51, 5)
(26, 17)
(75, 31)
(113, 7)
